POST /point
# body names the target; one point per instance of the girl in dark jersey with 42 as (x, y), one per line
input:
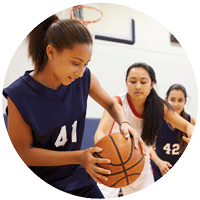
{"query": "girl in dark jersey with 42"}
(170, 142)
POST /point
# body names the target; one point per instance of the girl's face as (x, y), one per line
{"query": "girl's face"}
(139, 84)
(69, 64)
(177, 100)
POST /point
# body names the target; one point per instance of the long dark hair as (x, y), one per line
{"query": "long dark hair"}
(153, 109)
(60, 34)
(183, 114)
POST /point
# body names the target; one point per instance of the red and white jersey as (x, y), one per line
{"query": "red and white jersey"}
(136, 121)
(132, 116)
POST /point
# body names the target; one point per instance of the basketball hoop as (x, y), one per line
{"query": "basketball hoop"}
(82, 16)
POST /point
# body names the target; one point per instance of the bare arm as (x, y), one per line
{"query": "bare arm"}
(164, 166)
(105, 125)
(185, 138)
(115, 111)
(177, 121)
(21, 136)
(192, 121)
(154, 156)
(102, 97)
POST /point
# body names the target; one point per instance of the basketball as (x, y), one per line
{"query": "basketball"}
(127, 162)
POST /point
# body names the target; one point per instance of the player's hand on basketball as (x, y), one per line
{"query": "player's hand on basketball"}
(186, 139)
(164, 167)
(89, 163)
(127, 130)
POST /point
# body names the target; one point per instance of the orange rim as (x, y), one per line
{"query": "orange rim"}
(85, 22)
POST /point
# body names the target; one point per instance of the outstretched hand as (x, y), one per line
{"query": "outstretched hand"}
(127, 130)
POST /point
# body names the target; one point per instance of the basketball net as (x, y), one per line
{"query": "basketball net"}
(89, 15)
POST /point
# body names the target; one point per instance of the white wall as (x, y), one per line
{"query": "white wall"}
(110, 60)
(171, 64)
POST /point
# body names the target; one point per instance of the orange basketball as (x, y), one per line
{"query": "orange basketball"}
(127, 162)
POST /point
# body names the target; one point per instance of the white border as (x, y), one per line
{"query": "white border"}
(17, 20)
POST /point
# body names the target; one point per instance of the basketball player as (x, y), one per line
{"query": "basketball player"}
(145, 111)
(47, 108)
(169, 144)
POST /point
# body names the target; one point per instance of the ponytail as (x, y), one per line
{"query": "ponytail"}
(36, 43)
(60, 34)
(153, 117)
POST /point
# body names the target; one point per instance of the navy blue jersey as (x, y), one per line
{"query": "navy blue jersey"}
(166, 146)
(57, 119)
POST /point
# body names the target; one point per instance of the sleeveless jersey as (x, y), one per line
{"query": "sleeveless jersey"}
(146, 177)
(57, 119)
(132, 116)
(166, 146)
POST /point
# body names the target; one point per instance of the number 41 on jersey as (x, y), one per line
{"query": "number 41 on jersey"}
(62, 137)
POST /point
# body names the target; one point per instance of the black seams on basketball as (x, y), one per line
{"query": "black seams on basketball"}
(127, 162)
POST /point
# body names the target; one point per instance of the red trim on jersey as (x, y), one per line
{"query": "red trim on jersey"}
(152, 170)
(120, 102)
(132, 107)
(112, 128)
(150, 164)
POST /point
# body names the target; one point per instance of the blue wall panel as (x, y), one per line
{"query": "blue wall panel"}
(91, 125)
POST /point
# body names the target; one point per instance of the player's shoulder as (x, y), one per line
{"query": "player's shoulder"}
(119, 98)
(17, 87)
(87, 72)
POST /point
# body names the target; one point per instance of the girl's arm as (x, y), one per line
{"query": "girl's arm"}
(21, 136)
(164, 166)
(114, 109)
(192, 121)
(105, 125)
(185, 138)
(177, 121)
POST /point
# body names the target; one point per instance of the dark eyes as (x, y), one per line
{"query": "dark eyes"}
(178, 100)
(135, 82)
(78, 64)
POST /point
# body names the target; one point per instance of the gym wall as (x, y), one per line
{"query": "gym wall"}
(110, 60)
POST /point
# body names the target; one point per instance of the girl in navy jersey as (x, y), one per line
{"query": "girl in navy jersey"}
(145, 110)
(170, 142)
(47, 108)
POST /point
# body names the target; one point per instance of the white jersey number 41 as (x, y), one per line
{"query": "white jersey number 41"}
(62, 137)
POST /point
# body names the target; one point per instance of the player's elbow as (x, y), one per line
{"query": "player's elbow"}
(111, 106)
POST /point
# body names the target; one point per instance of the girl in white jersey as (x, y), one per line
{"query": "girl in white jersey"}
(145, 111)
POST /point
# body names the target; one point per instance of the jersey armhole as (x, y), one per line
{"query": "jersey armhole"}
(119, 100)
